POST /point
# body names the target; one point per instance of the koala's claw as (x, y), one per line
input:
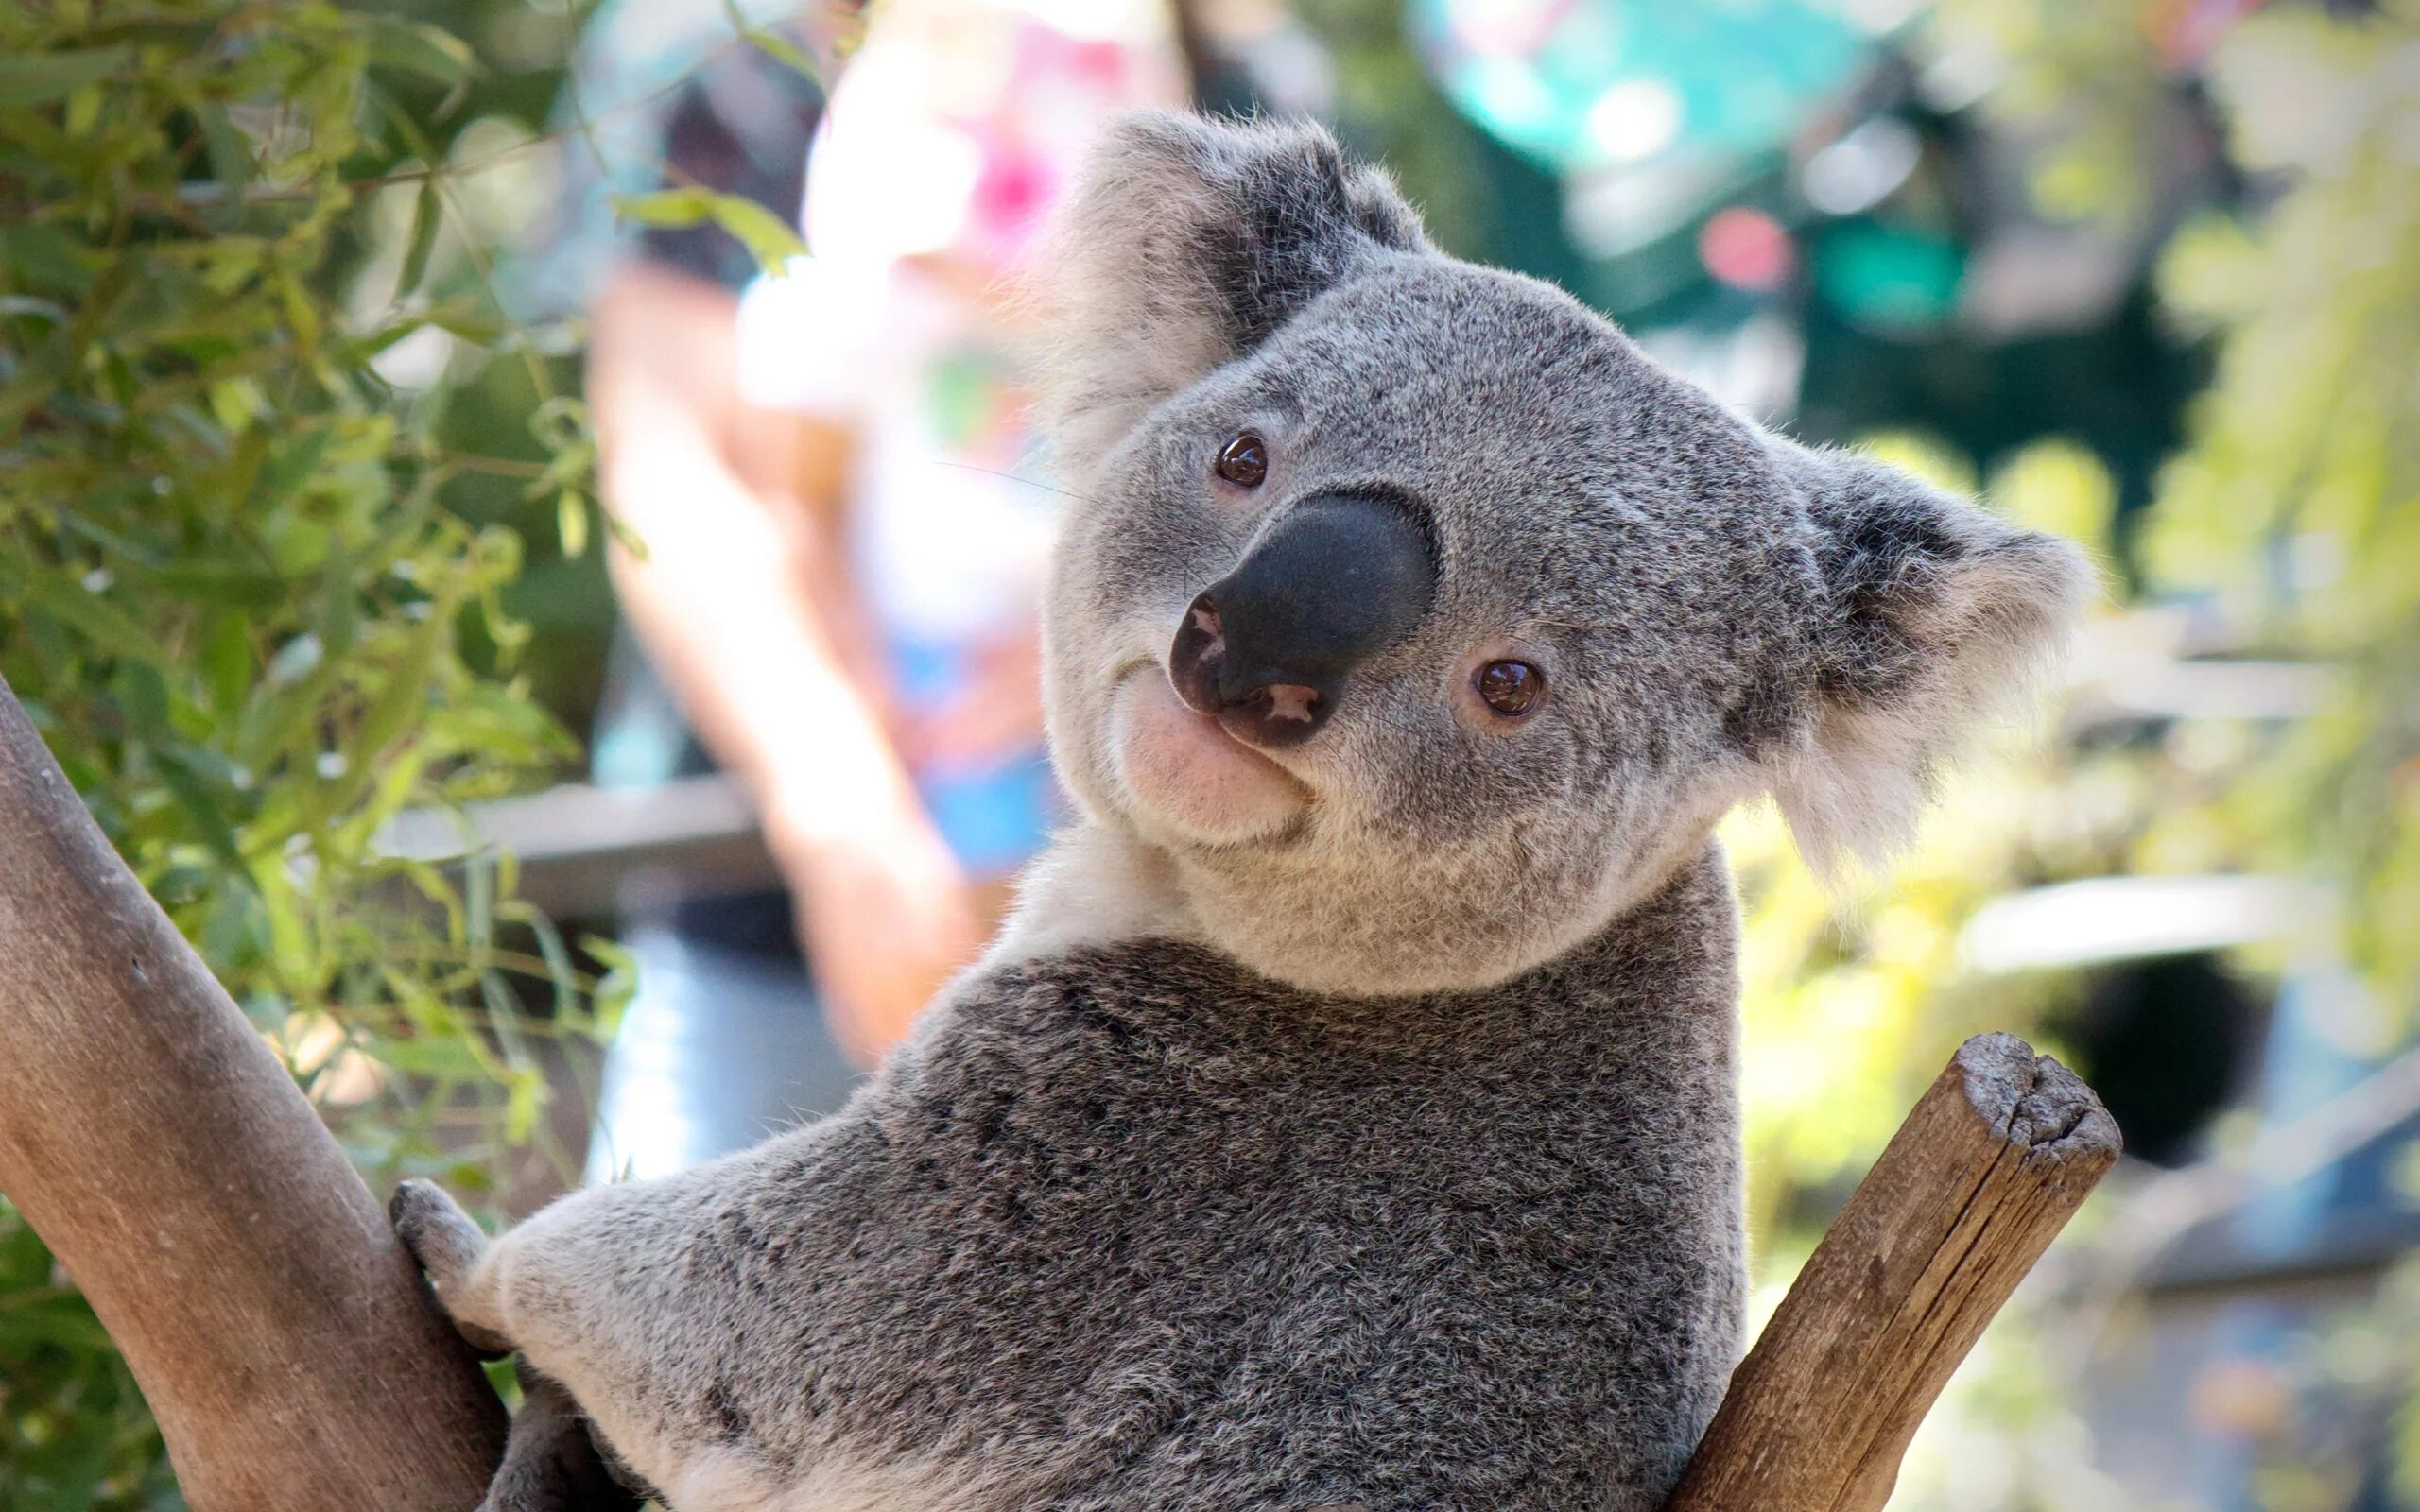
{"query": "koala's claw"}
(449, 1244)
(443, 1238)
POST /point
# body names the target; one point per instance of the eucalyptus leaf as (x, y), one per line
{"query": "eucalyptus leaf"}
(771, 44)
(35, 79)
(428, 218)
(771, 239)
(416, 48)
(665, 206)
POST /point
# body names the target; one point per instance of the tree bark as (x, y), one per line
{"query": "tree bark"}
(281, 1335)
(1992, 1164)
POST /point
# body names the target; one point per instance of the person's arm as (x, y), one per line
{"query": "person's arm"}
(725, 601)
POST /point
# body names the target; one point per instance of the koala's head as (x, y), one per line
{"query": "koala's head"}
(1423, 621)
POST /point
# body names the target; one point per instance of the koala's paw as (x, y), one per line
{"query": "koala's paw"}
(449, 1245)
(443, 1238)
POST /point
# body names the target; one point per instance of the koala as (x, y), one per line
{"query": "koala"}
(1346, 1116)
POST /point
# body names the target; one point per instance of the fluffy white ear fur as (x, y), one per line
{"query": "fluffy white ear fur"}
(1185, 245)
(1938, 616)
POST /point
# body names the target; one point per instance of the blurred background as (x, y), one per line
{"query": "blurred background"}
(407, 409)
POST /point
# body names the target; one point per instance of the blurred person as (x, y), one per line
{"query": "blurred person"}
(829, 474)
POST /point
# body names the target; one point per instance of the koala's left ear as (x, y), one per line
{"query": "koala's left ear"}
(1936, 614)
(1186, 243)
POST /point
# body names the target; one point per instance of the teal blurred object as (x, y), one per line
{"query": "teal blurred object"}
(1888, 279)
(1584, 87)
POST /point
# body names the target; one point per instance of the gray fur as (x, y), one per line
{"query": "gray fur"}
(1379, 1147)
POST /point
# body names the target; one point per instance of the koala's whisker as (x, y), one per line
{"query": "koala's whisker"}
(1019, 477)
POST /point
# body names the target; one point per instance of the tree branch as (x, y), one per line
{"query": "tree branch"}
(282, 1336)
(1995, 1159)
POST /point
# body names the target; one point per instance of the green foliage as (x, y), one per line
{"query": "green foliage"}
(236, 602)
(76, 1433)
(2297, 510)
(769, 238)
(2292, 515)
(2289, 527)
(2085, 80)
(2298, 505)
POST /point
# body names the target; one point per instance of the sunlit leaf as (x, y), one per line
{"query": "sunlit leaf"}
(428, 218)
(771, 44)
(34, 78)
(416, 48)
(109, 628)
(571, 521)
(772, 240)
(665, 206)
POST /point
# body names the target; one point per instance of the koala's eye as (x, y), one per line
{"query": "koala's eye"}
(1244, 461)
(1509, 688)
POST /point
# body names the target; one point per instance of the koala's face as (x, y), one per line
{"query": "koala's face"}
(1421, 620)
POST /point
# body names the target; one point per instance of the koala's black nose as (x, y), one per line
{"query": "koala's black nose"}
(1268, 648)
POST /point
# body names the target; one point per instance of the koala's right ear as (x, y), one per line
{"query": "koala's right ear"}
(1937, 614)
(1186, 244)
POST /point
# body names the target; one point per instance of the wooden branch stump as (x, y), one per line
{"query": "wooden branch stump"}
(281, 1335)
(1992, 1164)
